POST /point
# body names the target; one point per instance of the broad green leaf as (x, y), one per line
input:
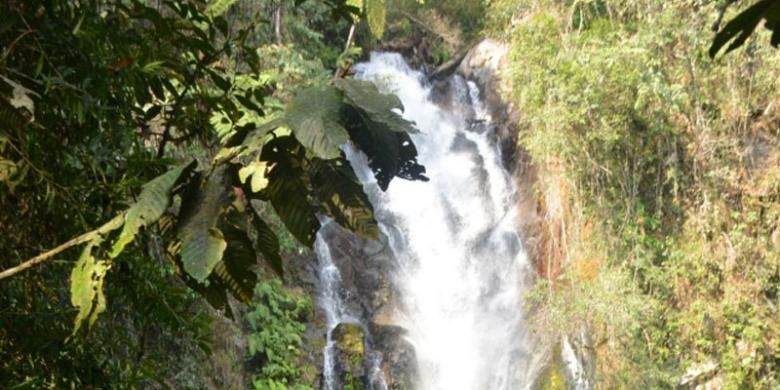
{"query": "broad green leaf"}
(86, 285)
(268, 244)
(342, 197)
(378, 106)
(375, 14)
(235, 270)
(218, 7)
(202, 242)
(289, 188)
(390, 153)
(152, 203)
(313, 116)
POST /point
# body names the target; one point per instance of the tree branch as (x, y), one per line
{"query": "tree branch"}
(88, 236)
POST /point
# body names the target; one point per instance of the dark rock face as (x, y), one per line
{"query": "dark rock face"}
(399, 363)
(365, 268)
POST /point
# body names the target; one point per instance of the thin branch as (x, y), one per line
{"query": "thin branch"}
(11, 46)
(88, 236)
(350, 38)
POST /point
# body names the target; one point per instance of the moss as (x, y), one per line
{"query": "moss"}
(351, 341)
(554, 376)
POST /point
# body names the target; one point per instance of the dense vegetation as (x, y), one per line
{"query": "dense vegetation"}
(172, 142)
(659, 175)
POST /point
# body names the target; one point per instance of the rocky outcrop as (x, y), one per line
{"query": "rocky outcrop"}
(350, 352)
(484, 64)
(399, 362)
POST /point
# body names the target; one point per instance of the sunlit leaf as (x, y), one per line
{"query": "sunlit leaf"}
(86, 285)
(375, 14)
(150, 206)
(218, 7)
(257, 171)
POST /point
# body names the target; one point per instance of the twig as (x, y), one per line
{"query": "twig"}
(12, 44)
(88, 236)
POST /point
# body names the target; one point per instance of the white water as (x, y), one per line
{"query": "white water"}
(461, 269)
(333, 304)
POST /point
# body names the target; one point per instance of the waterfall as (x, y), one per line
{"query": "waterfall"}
(333, 305)
(459, 266)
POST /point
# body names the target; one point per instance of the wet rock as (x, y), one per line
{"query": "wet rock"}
(484, 64)
(365, 267)
(399, 363)
(350, 352)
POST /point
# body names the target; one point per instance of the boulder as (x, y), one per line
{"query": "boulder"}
(399, 363)
(350, 353)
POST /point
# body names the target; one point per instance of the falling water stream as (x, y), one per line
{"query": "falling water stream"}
(460, 267)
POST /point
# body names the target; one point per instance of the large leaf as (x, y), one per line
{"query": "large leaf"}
(378, 106)
(235, 270)
(742, 26)
(268, 244)
(218, 7)
(215, 291)
(86, 278)
(86, 285)
(202, 242)
(375, 14)
(313, 116)
(342, 197)
(289, 188)
(390, 153)
(152, 203)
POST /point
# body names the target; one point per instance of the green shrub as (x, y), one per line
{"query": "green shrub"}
(277, 320)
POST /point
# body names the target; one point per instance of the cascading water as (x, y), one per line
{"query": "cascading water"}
(460, 268)
(333, 304)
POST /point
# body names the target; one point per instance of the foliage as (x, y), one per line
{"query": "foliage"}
(277, 320)
(168, 119)
(375, 16)
(656, 164)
